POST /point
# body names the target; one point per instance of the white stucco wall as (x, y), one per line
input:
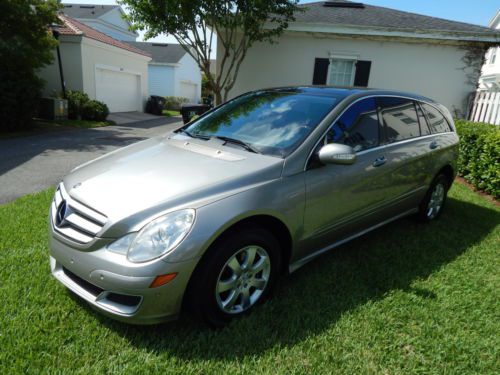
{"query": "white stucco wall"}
(71, 58)
(428, 69)
(95, 54)
(161, 80)
(188, 73)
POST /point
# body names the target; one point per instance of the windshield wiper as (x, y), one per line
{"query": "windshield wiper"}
(245, 145)
(188, 133)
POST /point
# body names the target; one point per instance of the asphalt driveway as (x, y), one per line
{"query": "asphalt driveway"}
(34, 163)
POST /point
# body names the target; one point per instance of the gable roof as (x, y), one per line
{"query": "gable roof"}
(73, 27)
(495, 21)
(87, 10)
(347, 13)
(161, 53)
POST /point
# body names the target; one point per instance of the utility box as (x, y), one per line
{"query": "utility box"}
(53, 109)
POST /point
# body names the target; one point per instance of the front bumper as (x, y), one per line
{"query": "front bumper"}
(117, 288)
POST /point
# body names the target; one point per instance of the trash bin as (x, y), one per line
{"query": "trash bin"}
(155, 105)
(189, 110)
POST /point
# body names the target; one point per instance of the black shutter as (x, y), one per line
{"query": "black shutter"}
(362, 73)
(320, 71)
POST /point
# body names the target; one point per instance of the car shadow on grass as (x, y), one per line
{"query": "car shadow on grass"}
(315, 297)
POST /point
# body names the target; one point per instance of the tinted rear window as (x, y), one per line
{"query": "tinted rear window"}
(437, 122)
(399, 117)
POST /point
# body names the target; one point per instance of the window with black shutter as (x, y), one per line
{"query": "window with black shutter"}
(341, 72)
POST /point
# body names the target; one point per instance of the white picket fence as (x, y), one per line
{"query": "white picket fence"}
(486, 107)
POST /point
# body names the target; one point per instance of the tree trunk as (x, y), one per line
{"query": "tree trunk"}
(218, 97)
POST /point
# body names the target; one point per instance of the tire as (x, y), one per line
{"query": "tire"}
(433, 203)
(209, 299)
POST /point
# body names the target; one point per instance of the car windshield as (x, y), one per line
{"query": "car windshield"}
(269, 122)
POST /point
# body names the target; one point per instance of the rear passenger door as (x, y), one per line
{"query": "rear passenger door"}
(407, 152)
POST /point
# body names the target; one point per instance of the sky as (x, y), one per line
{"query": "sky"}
(478, 12)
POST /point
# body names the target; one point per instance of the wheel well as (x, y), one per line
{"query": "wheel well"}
(267, 222)
(270, 223)
(448, 172)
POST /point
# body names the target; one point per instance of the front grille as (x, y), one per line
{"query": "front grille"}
(73, 219)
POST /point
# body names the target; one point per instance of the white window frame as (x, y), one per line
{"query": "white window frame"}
(351, 58)
(493, 56)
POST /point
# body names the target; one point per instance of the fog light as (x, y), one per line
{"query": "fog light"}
(163, 279)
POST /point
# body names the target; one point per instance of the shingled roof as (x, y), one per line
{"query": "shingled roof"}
(90, 11)
(161, 53)
(347, 13)
(73, 27)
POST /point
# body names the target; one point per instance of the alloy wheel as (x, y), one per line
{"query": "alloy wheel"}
(243, 279)
(436, 201)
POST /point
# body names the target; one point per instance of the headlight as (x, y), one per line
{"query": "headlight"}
(156, 238)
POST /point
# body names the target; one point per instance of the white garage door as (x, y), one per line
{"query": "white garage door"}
(188, 90)
(119, 90)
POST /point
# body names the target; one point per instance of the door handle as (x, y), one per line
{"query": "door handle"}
(433, 145)
(379, 161)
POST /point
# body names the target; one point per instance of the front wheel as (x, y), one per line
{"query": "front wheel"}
(432, 205)
(237, 274)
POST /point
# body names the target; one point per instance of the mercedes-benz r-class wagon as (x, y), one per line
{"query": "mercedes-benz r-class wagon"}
(207, 217)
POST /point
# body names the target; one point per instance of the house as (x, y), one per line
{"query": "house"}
(490, 76)
(107, 19)
(172, 71)
(106, 69)
(344, 43)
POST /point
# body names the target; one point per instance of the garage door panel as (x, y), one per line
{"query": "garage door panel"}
(119, 90)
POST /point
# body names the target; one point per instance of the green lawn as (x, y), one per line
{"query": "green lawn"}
(41, 126)
(407, 298)
(170, 113)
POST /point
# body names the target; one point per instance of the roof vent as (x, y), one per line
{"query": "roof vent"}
(87, 6)
(343, 4)
(159, 44)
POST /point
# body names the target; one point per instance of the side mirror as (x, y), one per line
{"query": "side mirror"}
(335, 153)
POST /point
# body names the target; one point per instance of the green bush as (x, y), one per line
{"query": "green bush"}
(95, 111)
(76, 101)
(174, 102)
(479, 160)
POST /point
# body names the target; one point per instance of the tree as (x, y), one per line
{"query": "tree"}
(237, 23)
(26, 45)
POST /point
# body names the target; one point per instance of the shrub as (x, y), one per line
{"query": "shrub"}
(174, 102)
(479, 160)
(76, 102)
(95, 111)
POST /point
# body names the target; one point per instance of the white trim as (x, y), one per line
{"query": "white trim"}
(174, 65)
(391, 32)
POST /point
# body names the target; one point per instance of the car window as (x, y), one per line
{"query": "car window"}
(273, 122)
(424, 127)
(437, 122)
(358, 127)
(399, 117)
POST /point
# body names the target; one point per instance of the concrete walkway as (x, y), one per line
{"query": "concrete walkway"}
(34, 163)
(121, 118)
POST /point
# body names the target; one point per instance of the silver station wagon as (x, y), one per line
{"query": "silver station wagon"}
(207, 217)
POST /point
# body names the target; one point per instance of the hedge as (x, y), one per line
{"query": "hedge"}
(479, 160)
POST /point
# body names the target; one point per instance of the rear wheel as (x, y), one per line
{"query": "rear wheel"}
(237, 274)
(432, 205)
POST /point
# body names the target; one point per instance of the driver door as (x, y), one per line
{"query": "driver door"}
(343, 199)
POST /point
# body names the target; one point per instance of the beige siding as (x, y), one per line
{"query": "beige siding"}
(71, 57)
(428, 69)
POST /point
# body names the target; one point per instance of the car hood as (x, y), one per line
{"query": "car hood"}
(168, 172)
